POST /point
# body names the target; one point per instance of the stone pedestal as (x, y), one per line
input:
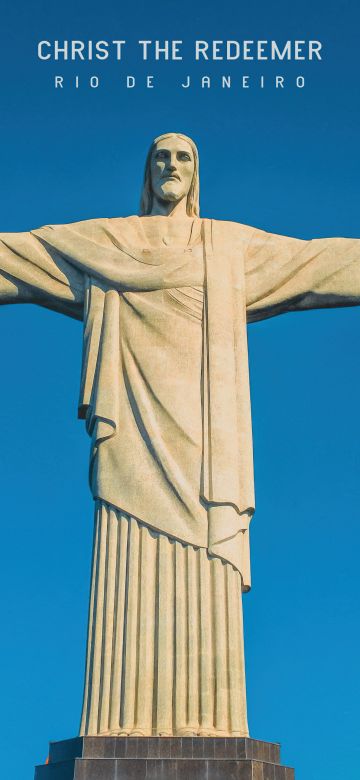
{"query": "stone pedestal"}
(163, 758)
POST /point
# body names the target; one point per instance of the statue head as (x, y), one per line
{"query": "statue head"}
(171, 173)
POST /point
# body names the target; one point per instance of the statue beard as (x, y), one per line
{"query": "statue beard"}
(169, 194)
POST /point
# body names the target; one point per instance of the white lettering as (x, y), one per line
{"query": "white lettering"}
(298, 49)
(260, 50)
(40, 52)
(119, 45)
(246, 50)
(201, 47)
(145, 45)
(175, 50)
(101, 50)
(276, 54)
(216, 50)
(60, 50)
(162, 50)
(77, 48)
(230, 46)
(314, 49)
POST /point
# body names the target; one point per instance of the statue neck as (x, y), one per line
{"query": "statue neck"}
(173, 209)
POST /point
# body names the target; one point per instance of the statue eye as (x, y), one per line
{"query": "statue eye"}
(184, 156)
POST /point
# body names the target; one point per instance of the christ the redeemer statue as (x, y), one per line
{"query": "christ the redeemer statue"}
(165, 297)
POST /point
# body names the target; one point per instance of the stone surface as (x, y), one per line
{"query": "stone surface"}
(163, 758)
(165, 298)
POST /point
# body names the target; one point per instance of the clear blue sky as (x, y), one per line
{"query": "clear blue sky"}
(286, 161)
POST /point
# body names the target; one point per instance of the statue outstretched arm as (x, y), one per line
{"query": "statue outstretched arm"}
(31, 272)
(288, 274)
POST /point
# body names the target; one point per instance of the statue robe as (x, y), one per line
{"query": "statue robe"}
(97, 270)
(165, 394)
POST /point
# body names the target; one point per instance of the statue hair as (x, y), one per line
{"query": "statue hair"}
(192, 199)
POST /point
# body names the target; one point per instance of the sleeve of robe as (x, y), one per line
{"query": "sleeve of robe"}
(288, 274)
(34, 272)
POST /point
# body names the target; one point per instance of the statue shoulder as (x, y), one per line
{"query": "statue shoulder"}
(83, 226)
(232, 233)
(100, 229)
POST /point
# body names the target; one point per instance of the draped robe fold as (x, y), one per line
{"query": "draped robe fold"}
(200, 458)
(186, 472)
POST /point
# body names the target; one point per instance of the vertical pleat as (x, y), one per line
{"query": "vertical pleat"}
(193, 638)
(220, 647)
(118, 643)
(165, 640)
(131, 630)
(206, 647)
(237, 704)
(89, 651)
(181, 641)
(97, 628)
(108, 618)
(146, 633)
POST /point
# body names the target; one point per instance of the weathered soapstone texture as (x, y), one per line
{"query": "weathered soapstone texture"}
(165, 298)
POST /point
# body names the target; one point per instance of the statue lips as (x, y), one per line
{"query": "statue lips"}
(171, 176)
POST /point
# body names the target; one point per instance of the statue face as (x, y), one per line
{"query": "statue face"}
(172, 169)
